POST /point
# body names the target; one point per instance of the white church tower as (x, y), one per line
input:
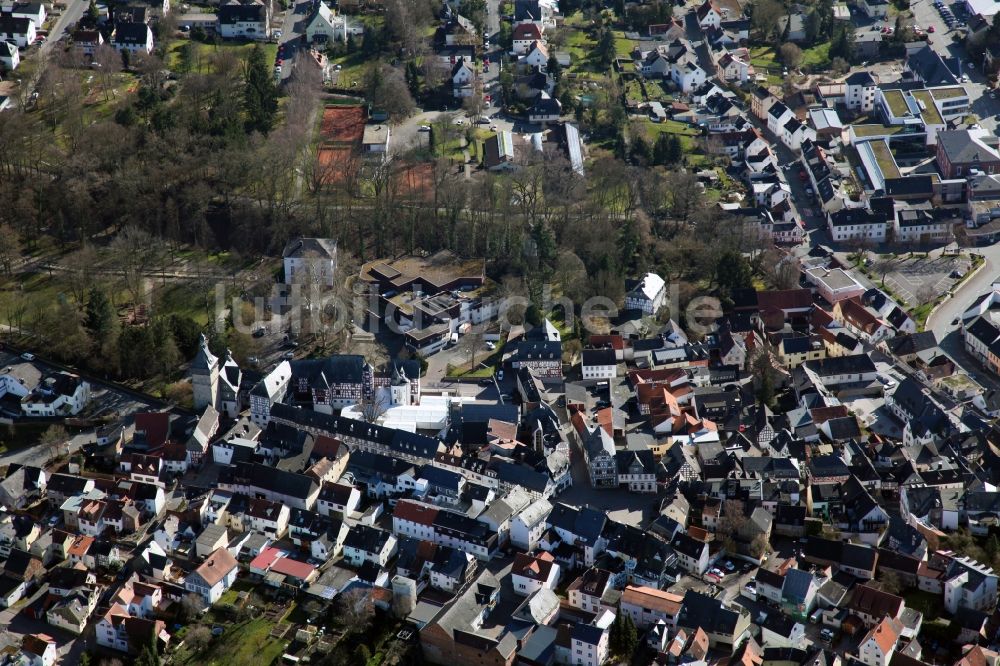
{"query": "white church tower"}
(205, 376)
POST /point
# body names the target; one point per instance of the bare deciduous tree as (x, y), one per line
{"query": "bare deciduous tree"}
(135, 252)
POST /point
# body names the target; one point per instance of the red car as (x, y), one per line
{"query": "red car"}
(930, 28)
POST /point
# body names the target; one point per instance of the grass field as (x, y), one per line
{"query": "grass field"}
(684, 131)
(623, 45)
(205, 54)
(242, 644)
(817, 57)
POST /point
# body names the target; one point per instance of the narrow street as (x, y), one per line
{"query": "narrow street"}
(74, 10)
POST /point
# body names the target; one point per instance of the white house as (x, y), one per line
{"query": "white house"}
(646, 606)
(19, 30)
(29, 10)
(530, 573)
(59, 394)
(527, 526)
(326, 27)
(590, 643)
(463, 78)
(860, 92)
(39, 650)
(878, 646)
(10, 57)
(338, 499)
(244, 21)
(647, 295)
(687, 75)
(692, 554)
(368, 544)
(599, 364)
(856, 224)
(310, 261)
(213, 577)
(535, 57)
(709, 16)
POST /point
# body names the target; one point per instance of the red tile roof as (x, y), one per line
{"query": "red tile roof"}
(293, 568)
(415, 513)
(215, 568)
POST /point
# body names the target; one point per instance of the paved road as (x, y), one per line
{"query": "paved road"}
(74, 10)
(948, 334)
(291, 31)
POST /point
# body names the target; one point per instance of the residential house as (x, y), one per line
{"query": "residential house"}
(135, 38)
(213, 576)
(10, 57)
(463, 79)
(646, 606)
(249, 20)
(531, 573)
(879, 645)
(19, 30)
(647, 295)
(967, 152)
(369, 544)
(860, 92)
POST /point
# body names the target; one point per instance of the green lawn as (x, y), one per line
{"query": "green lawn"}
(623, 45)
(205, 53)
(683, 130)
(354, 66)
(763, 56)
(817, 56)
(633, 92)
(243, 644)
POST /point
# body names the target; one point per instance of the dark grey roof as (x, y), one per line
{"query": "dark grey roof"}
(440, 478)
(699, 610)
(269, 478)
(925, 62)
(599, 357)
(863, 78)
(904, 345)
(797, 584)
(233, 13)
(688, 545)
(400, 441)
(842, 365)
(538, 350)
(366, 539)
(585, 522)
(961, 147)
(127, 32)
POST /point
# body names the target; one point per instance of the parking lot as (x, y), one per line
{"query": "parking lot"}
(918, 280)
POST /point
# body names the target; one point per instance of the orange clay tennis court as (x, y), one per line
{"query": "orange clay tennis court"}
(343, 124)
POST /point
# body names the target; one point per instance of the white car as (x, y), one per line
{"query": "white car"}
(491, 345)
(424, 128)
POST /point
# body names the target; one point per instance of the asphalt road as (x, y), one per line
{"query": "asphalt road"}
(74, 10)
(949, 336)
(291, 32)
